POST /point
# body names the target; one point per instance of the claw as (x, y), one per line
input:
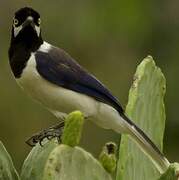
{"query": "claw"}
(40, 142)
(48, 137)
(31, 141)
(50, 133)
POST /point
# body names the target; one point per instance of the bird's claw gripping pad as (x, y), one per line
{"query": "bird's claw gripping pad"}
(50, 133)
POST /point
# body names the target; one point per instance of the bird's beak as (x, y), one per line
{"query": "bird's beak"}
(29, 21)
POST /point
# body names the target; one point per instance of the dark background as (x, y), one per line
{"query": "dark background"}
(109, 38)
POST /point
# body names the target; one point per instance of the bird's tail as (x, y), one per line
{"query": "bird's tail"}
(146, 145)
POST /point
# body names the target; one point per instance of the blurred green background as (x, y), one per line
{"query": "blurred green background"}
(109, 38)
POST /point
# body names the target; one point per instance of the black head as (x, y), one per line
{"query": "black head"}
(26, 27)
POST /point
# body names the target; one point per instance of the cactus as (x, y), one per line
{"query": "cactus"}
(61, 162)
(7, 170)
(35, 162)
(69, 162)
(53, 161)
(172, 173)
(73, 129)
(108, 157)
(146, 108)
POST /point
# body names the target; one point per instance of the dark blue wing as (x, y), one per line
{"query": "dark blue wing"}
(59, 68)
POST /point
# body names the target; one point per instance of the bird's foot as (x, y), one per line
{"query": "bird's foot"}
(49, 133)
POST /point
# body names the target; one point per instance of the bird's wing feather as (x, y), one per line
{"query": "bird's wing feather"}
(59, 68)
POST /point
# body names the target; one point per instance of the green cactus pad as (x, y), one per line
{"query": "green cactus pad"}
(7, 170)
(33, 167)
(172, 173)
(67, 163)
(62, 162)
(146, 108)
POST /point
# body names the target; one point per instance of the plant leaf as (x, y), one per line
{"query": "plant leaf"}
(34, 164)
(67, 163)
(7, 169)
(172, 173)
(146, 108)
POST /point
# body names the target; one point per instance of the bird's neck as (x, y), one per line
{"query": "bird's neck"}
(20, 51)
(27, 39)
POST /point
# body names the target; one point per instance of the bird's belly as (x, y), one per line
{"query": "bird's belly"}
(53, 97)
(61, 101)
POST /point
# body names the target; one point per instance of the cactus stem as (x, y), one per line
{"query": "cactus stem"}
(73, 129)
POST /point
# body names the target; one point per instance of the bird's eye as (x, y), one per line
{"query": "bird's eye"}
(39, 21)
(15, 21)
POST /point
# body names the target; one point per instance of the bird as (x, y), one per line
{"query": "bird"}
(54, 79)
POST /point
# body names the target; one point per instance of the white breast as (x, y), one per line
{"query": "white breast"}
(52, 96)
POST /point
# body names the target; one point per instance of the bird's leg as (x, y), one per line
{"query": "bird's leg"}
(49, 133)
